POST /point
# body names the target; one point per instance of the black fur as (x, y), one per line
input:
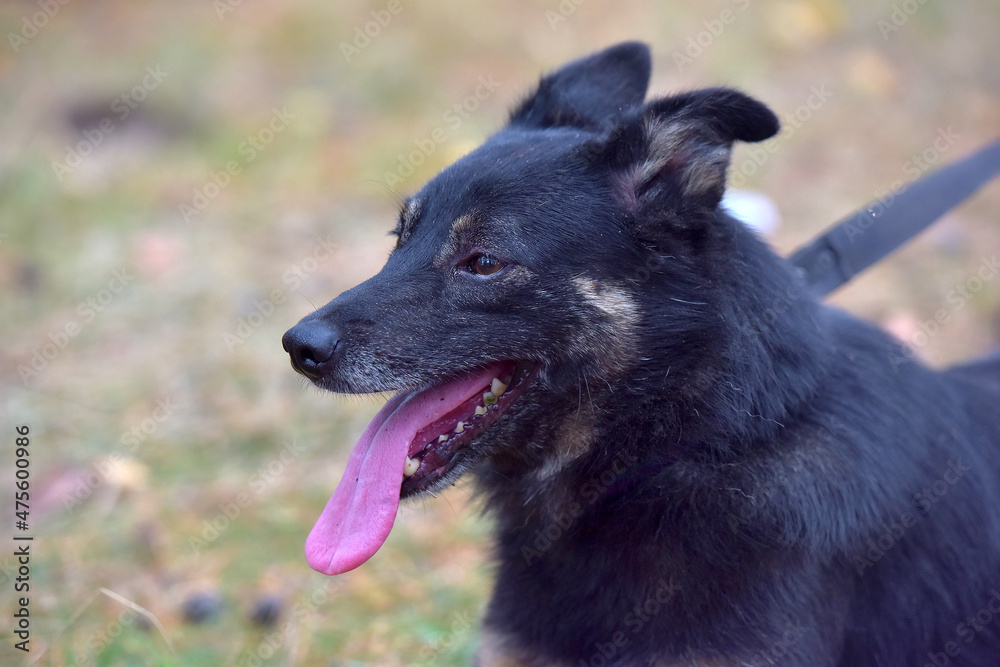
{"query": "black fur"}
(710, 467)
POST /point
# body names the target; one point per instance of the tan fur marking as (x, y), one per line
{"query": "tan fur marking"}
(608, 338)
(612, 300)
(412, 208)
(576, 438)
(666, 140)
(707, 172)
(410, 212)
(463, 225)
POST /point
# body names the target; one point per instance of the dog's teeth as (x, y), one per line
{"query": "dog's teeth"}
(410, 467)
(498, 387)
(489, 398)
(480, 409)
(459, 427)
(442, 437)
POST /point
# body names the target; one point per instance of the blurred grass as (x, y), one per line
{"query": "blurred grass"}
(197, 326)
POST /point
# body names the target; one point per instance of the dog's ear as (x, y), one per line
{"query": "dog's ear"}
(589, 92)
(674, 152)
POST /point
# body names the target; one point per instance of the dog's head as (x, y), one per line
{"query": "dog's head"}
(518, 282)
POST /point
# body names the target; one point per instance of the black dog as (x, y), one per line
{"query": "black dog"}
(690, 461)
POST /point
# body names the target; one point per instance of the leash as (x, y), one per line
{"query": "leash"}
(864, 237)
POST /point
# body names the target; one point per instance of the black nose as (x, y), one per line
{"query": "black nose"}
(313, 346)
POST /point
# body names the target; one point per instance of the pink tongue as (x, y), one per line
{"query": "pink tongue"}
(359, 516)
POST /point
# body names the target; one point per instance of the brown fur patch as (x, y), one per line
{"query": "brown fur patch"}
(465, 230)
(612, 300)
(463, 225)
(576, 438)
(702, 165)
(610, 336)
(408, 219)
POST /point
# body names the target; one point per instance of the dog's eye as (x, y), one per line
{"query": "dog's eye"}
(484, 265)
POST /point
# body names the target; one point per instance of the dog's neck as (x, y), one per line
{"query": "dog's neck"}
(751, 386)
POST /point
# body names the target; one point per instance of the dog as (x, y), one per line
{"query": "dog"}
(689, 459)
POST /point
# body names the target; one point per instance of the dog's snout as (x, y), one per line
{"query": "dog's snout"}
(313, 347)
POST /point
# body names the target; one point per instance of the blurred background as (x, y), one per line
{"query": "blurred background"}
(181, 181)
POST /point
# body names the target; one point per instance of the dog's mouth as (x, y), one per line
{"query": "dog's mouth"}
(434, 450)
(413, 442)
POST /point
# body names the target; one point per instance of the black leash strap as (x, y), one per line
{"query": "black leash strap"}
(866, 236)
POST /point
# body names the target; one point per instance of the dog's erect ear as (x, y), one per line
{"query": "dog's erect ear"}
(588, 92)
(675, 151)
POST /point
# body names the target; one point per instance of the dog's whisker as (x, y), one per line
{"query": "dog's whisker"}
(579, 392)
(767, 419)
(386, 191)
